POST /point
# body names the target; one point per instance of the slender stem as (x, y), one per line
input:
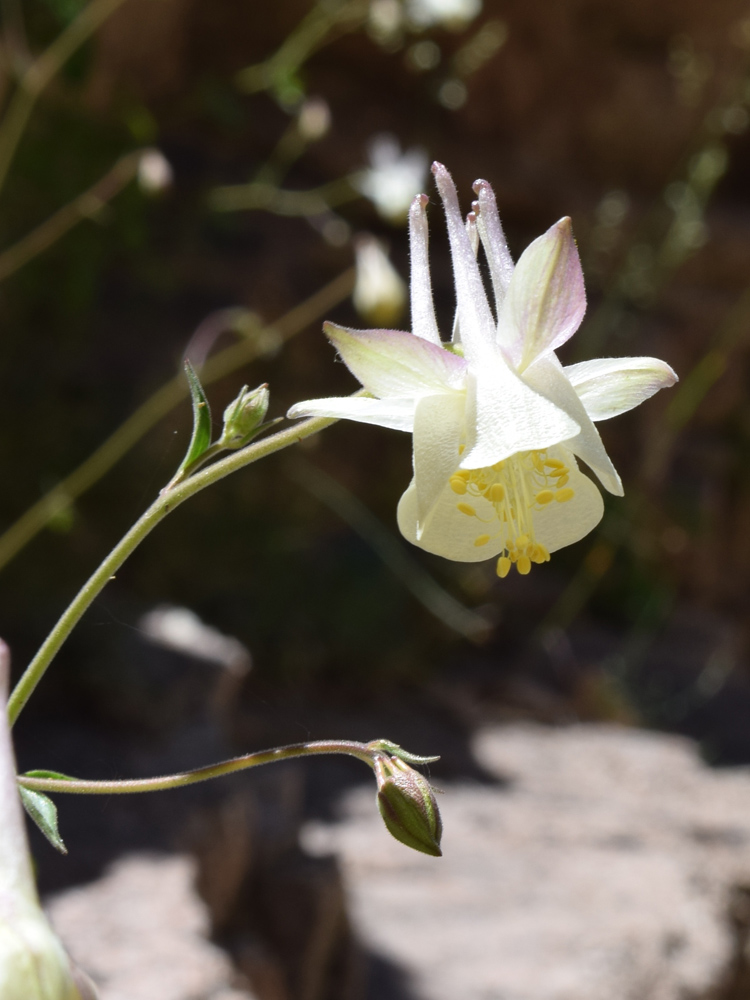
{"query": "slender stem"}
(361, 751)
(42, 71)
(163, 505)
(85, 206)
(164, 400)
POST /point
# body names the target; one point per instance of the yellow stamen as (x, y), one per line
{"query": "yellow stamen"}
(523, 565)
(522, 541)
(458, 484)
(545, 496)
(554, 463)
(496, 493)
(481, 540)
(562, 496)
(563, 480)
(503, 566)
(467, 509)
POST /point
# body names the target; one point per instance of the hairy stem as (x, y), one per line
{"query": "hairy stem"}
(167, 501)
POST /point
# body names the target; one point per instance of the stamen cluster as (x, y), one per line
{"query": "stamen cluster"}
(515, 488)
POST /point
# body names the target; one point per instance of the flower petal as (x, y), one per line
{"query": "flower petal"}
(396, 414)
(394, 363)
(423, 322)
(452, 534)
(493, 240)
(475, 318)
(546, 299)
(438, 432)
(505, 415)
(608, 387)
(547, 376)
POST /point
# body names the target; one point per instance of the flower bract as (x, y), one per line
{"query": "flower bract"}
(498, 422)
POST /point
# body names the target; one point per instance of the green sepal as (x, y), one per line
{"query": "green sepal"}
(394, 750)
(43, 810)
(55, 775)
(201, 439)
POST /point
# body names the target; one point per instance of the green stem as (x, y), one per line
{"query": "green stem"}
(362, 751)
(85, 206)
(167, 501)
(267, 340)
(42, 71)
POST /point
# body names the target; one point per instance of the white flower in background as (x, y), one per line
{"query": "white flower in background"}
(393, 178)
(455, 14)
(154, 172)
(379, 294)
(497, 420)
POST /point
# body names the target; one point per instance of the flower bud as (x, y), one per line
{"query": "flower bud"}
(379, 291)
(314, 119)
(154, 172)
(407, 804)
(243, 417)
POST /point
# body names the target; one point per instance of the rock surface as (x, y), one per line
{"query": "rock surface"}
(141, 934)
(606, 863)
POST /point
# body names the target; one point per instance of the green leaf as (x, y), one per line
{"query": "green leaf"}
(43, 811)
(201, 439)
(55, 775)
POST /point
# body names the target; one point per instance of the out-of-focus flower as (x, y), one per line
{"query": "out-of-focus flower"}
(393, 177)
(497, 421)
(384, 20)
(154, 172)
(33, 962)
(314, 119)
(453, 14)
(182, 630)
(379, 291)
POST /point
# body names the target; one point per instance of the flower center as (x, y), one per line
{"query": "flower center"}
(515, 488)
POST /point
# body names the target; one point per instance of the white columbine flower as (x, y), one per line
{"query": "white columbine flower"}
(393, 177)
(379, 294)
(497, 420)
(451, 13)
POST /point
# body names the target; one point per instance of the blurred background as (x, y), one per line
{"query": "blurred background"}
(182, 176)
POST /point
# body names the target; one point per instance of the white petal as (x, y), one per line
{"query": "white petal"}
(473, 233)
(547, 376)
(397, 414)
(504, 415)
(493, 240)
(610, 386)
(448, 532)
(394, 363)
(546, 299)
(475, 318)
(452, 534)
(423, 322)
(438, 432)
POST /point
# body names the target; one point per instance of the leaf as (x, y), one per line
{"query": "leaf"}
(55, 775)
(43, 811)
(201, 439)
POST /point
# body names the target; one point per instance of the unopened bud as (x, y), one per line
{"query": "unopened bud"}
(314, 119)
(243, 417)
(154, 172)
(407, 804)
(379, 294)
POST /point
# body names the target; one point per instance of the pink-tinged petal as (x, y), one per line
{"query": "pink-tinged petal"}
(493, 240)
(396, 414)
(475, 318)
(547, 377)
(610, 386)
(423, 322)
(438, 431)
(505, 415)
(546, 299)
(393, 363)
